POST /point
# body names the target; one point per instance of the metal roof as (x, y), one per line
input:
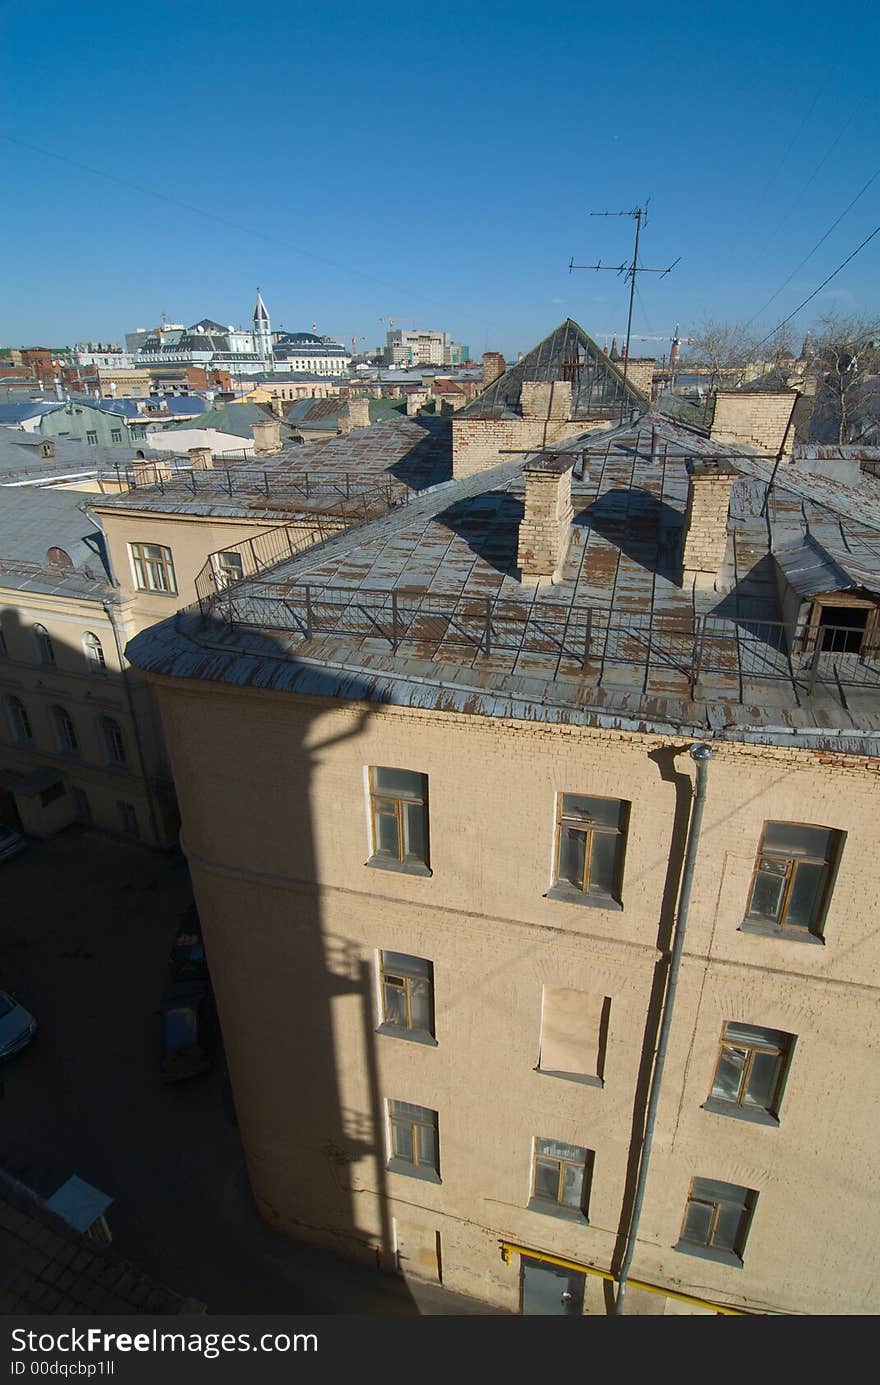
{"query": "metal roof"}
(811, 570)
(35, 519)
(425, 606)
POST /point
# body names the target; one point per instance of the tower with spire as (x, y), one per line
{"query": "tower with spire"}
(262, 332)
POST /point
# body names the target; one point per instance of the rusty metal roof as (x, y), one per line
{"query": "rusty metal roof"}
(425, 606)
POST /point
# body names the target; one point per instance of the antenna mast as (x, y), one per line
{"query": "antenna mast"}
(629, 271)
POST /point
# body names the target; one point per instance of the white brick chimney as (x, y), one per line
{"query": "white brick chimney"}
(267, 437)
(706, 519)
(545, 528)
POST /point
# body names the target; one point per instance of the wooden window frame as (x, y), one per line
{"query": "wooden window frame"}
(811, 638)
(45, 647)
(112, 735)
(781, 1051)
(396, 1162)
(22, 730)
(828, 862)
(588, 831)
(94, 652)
(141, 566)
(66, 730)
(402, 980)
(708, 1249)
(398, 798)
(538, 1202)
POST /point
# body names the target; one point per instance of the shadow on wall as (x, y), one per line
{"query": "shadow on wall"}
(311, 1115)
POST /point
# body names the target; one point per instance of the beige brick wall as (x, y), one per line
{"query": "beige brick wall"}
(480, 443)
(705, 521)
(753, 418)
(545, 528)
(276, 825)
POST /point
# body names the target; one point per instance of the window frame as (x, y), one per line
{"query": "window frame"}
(142, 566)
(415, 1033)
(428, 1172)
(111, 735)
(407, 865)
(783, 1051)
(19, 720)
(707, 1250)
(65, 730)
(557, 1208)
(44, 645)
(94, 653)
(779, 927)
(565, 890)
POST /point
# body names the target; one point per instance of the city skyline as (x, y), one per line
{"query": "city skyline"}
(352, 194)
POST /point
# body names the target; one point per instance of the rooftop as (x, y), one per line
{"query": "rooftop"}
(35, 520)
(425, 606)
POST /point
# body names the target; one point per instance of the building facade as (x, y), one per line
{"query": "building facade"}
(460, 873)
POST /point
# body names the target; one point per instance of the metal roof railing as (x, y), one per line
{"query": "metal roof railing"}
(648, 654)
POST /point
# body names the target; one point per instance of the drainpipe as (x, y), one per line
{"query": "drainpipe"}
(701, 754)
(134, 721)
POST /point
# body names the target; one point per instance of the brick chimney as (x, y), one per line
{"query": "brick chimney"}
(267, 437)
(493, 366)
(545, 528)
(200, 458)
(705, 520)
(357, 415)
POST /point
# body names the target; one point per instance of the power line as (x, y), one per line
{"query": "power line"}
(832, 275)
(144, 191)
(819, 243)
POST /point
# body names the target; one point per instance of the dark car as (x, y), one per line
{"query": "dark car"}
(187, 961)
(189, 1031)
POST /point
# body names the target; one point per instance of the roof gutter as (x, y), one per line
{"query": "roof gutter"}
(701, 754)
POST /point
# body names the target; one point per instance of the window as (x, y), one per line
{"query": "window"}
(399, 810)
(153, 567)
(116, 435)
(716, 1220)
(590, 838)
(574, 1034)
(414, 1140)
(45, 648)
(790, 884)
(407, 985)
(19, 721)
(843, 624)
(560, 1179)
(81, 805)
(128, 819)
(114, 744)
(94, 653)
(138, 434)
(65, 731)
(750, 1072)
(91, 438)
(228, 568)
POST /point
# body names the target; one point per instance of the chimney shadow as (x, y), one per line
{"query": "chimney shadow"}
(429, 461)
(489, 525)
(646, 529)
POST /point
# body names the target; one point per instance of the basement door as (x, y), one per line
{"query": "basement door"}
(550, 1290)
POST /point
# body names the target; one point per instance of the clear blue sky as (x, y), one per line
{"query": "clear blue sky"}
(437, 164)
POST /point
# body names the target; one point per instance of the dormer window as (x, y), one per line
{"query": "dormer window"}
(841, 623)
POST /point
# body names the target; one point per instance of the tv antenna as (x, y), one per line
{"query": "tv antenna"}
(629, 271)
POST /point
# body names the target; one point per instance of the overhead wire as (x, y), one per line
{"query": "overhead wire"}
(810, 297)
(143, 191)
(818, 244)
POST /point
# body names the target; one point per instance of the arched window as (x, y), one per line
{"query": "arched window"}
(19, 721)
(113, 741)
(65, 731)
(94, 653)
(45, 648)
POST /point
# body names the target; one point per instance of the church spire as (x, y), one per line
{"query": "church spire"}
(261, 312)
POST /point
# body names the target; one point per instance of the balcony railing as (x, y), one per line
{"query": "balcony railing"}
(660, 655)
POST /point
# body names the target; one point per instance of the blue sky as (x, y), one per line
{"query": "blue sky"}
(437, 164)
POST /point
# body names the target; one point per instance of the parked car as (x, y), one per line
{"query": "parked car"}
(189, 1031)
(187, 961)
(11, 843)
(17, 1026)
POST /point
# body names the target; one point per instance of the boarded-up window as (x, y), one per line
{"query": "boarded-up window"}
(574, 1027)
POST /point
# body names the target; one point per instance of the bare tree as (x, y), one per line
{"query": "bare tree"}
(846, 366)
(719, 347)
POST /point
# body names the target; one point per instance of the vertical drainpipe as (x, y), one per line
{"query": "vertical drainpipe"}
(701, 754)
(134, 721)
